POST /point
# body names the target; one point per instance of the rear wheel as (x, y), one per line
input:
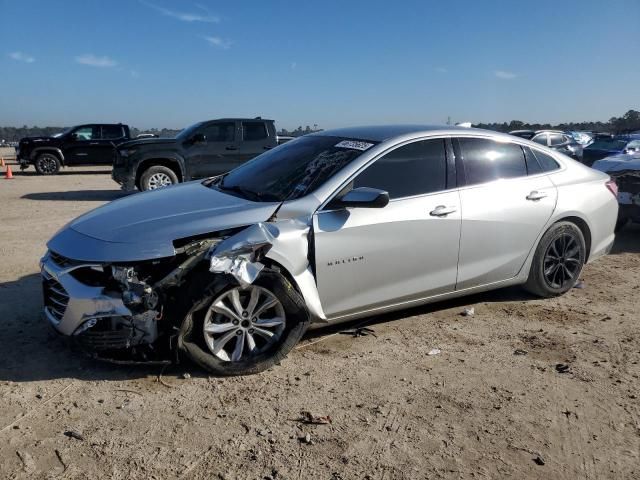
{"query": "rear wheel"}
(156, 177)
(241, 330)
(47, 164)
(558, 261)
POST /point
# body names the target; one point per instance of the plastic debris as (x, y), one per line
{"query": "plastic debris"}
(468, 312)
(434, 351)
(359, 332)
(518, 351)
(72, 434)
(309, 418)
(538, 460)
(186, 376)
(579, 284)
(562, 368)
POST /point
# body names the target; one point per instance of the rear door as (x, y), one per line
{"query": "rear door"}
(504, 209)
(254, 140)
(218, 153)
(372, 257)
(102, 149)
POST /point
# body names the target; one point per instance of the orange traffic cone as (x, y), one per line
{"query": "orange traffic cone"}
(9, 174)
(1, 161)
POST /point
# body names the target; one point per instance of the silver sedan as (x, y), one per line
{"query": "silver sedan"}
(334, 226)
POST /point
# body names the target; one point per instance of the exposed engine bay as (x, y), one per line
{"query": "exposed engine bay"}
(134, 311)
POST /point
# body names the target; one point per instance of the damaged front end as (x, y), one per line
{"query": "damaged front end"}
(134, 311)
(628, 182)
(114, 311)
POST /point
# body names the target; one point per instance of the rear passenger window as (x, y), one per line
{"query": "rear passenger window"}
(547, 162)
(533, 167)
(111, 131)
(413, 169)
(252, 131)
(541, 139)
(556, 139)
(487, 160)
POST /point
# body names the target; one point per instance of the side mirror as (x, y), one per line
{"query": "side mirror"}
(362, 197)
(198, 138)
(74, 137)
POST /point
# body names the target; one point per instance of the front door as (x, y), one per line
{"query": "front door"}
(217, 154)
(368, 258)
(82, 145)
(505, 206)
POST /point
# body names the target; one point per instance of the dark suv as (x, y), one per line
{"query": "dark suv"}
(91, 144)
(202, 150)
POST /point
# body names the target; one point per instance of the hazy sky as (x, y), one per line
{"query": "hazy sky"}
(167, 63)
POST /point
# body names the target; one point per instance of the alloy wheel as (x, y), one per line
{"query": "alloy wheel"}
(562, 261)
(159, 180)
(47, 164)
(243, 322)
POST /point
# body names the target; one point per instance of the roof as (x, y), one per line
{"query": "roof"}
(380, 133)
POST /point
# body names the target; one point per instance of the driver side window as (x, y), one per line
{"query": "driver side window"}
(87, 133)
(414, 169)
(220, 132)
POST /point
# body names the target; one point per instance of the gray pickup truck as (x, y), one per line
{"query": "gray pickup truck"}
(202, 150)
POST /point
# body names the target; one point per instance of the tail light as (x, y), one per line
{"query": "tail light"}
(612, 186)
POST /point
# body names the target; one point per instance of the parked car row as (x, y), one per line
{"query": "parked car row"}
(338, 225)
(554, 139)
(147, 162)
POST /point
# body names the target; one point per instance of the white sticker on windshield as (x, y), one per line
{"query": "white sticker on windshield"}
(353, 144)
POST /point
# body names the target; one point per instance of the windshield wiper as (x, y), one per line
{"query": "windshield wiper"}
(249, 194)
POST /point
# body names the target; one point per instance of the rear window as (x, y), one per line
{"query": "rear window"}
(547, 162)
(252, 131)
(487, 160)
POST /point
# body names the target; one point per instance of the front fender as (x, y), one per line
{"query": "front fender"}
(171, 157)
(38, 150)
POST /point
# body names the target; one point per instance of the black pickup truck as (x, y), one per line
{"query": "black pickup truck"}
(202, 150)
(91, 144)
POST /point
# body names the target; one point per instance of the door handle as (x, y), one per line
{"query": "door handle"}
(94, 143)
(231, 148)
(442, 211)
(536, 195)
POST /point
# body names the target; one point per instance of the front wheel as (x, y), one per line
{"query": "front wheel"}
(242, 330)
(156, 177)
(558, 261)
(47, 164)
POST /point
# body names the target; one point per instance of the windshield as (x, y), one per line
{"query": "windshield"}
(293, 169)
(187, 132)
(64, 132)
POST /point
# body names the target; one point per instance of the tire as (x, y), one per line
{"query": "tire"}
(156, 177)
(47, 164)
(563, 241)
(197, 345)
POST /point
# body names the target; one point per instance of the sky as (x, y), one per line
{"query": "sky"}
(169, 63)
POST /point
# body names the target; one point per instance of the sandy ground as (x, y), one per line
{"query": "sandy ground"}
(491, 405)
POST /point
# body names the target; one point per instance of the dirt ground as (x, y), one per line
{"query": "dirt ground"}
(492, 404)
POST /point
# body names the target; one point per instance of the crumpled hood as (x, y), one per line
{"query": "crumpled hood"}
(144, 225)
(618, 163)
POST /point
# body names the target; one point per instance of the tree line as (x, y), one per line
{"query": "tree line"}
(629, 122)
